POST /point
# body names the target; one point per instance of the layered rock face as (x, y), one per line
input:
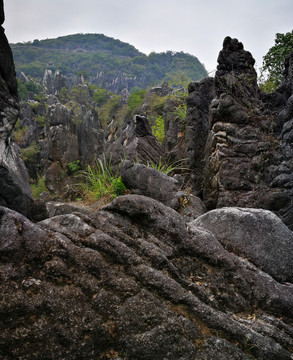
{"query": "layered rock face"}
(244, 135)
(136, 143)
(14, 188)
(134, 281)
(63, 135)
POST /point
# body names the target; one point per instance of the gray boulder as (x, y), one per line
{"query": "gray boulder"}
(133, 282)
(144, 180)
(255, 234)
(147, 181)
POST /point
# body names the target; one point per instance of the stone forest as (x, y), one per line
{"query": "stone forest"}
(192, 264)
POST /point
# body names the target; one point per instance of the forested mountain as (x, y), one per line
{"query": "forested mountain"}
(107, 62)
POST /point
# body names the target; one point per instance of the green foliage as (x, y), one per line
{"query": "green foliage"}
(273, 62)
(40, 119)
(158, 129)
(34, 104)
(100, 181)
(180, 112)
(41, 97)
(83, 73)
(19, 132)
(89, 54)
(74, 166)
(157, 104)
(29, 153)
(109, 109)
(135, 99)
(98, 96)
(168, 168)
(38, 187)
(22, 90)
(31, 86)
(63, 94)
(25, 88)
(78, 94)
(181, 82)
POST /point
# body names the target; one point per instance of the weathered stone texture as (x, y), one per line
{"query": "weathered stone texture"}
(134, 282)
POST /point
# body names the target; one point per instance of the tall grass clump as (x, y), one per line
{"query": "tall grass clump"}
(169, 168)
(100, 181)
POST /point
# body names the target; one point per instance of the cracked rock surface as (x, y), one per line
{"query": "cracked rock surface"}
(133, 281)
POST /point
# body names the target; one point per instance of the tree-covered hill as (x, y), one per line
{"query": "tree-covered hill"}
(107, 62)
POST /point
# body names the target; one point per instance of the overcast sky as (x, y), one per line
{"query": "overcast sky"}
(197, 27)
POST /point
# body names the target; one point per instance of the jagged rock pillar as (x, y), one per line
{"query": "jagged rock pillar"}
(14, 181)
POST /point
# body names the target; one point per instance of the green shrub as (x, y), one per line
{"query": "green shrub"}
(109, 109)
(180, 112)
(63, 94)
(157, 104)
(100, 181)
(19, 132)
(74, 166)
(158, 129)
(29, 153)
(22, 90)
(38, 187)
(40, 119)
(78, 94)
(168, 168)
(135, 99)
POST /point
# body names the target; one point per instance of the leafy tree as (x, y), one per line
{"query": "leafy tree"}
(135, 99)
(100, 96)
(22, 90)
(109, 109)
(31, 86)
(78, 94)
(273, 62)
(63, 94)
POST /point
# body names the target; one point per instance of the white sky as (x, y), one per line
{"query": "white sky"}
(197, 27)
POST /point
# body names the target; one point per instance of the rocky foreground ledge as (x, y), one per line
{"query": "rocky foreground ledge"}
(135, 281)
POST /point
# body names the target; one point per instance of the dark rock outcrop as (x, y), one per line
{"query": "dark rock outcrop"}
(133, 282)
(71, 135)
(145, 180)
(136, 143)
(198, 101)
(14, 181)
(238, 139)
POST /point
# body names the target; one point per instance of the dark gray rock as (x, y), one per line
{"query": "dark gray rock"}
(198, 101)
(220, 349)
(136, 142)
(147, 181)
(256, 234)
(71, 135)
(90, 135)
(144, 180)
(2, 16)
(238, 139)
(132, 282)
(14, 182)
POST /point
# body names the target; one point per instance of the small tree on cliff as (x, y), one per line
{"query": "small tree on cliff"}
(273, 62)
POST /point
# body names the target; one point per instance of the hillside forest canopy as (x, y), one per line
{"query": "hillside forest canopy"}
(101, 59)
